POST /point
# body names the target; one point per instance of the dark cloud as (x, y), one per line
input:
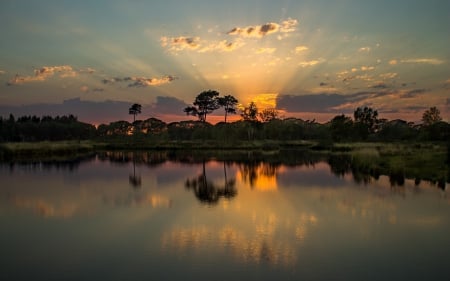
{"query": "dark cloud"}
(325, 102)
(413, 93)
(111, 80)
(140, 82)
(255, 31)
(379, 86)
(87, 111)
(267, 28)
(416, 108)
(259, 31)
(180, 43)
(169, 105)
(98, 112)
(311, 103)
(145, 82)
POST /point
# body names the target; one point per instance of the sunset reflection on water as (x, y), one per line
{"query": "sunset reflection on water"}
(264, 216)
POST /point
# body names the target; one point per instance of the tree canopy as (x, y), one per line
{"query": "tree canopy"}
(431, 116)
(229, 103)
(134, 110)
(205, 103)
(250, 112)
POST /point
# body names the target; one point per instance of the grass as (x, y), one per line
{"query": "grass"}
(424, 161)
(427, 161)
(46, 150)
(206, 144)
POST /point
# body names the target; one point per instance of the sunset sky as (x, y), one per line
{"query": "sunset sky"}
(309, 59)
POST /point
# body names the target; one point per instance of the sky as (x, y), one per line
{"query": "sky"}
(308, 59)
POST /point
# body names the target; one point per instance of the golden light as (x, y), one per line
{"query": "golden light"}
(260, 178)
(263, 101)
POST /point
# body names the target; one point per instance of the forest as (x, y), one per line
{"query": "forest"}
(254, 125)
(340, 129)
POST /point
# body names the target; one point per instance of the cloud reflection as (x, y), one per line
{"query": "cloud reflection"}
(269, 239)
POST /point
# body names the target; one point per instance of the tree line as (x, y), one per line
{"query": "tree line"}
(45, 128)
(255, 124)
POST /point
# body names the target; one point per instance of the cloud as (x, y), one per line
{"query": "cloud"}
(389, 75)
(86, 89)
(310, 103)
(300, 49)
(144, 82)
(107, 81)
(48, 71)
(221, 46)
(140, 81)
(177, 44)
(259, 31)
(367, 68)
(288, 25)
(45, 72)
(265, 50)
(100, 111)
(180, 43)
(364, 49)
(329, 102)
(414, 93)
(424, 61)
(393, 62)
(86, 111)
(379, 85)
(168, 105)
(310, 63)
(87, 70)
(432, 61)
(18, 79)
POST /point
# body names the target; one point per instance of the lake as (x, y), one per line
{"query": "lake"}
(159, 216)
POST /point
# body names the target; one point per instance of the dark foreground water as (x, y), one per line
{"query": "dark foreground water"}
(114, 218)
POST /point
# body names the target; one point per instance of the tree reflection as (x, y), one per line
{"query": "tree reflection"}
(209, 192)
(135, 181)
(251, 171)
(365, 170)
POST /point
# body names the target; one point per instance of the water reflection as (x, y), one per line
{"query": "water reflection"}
(135, 180)
(208, 191)
(259, 175)
(268, 239)
(268, 220)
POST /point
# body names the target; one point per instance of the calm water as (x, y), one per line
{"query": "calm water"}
(112, 218)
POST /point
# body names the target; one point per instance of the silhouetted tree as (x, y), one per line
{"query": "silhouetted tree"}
(229, 103)
(341, 128)
(431, 116)
(135, 109)
(250, 112)
(366, 121)
(268, 114)
(367, 116)
(205, 103)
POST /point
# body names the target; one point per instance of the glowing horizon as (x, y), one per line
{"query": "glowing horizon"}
(298, 57)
